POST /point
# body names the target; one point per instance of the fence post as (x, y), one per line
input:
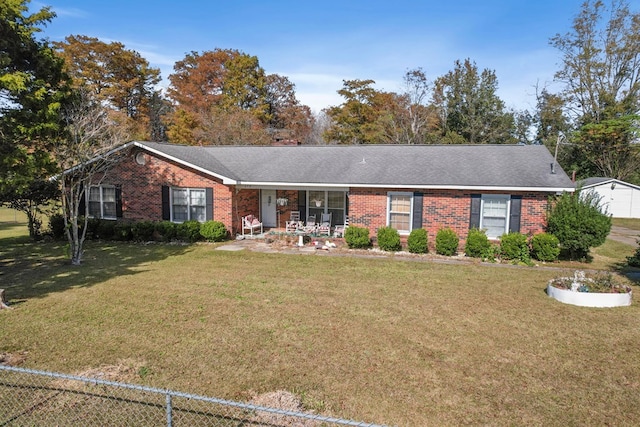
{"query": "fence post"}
(169, 410)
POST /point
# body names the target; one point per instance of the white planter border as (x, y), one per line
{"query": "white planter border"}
(589, 299)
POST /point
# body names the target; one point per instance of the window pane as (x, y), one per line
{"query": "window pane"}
(108, 194)
(94, 194)
(494, 216)
(180, 213)
(179, 196)
(197, 198)
(316, 199)
(399, 221)
(336, 199)
(198, 213)
(401, 203)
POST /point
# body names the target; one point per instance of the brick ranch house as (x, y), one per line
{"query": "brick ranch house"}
(499, 188)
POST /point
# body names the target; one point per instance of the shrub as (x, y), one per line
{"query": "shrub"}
(166, 230)
(418, 242)
(56, 226)
(357, 237)
(189, 231)
(389, 239)
(477, 245)
(578, 222)
(123, 231)
(634, 260)
(514, 246)
(447, 242)
(142, 231)
(213, 231)
(545, 247)
(93, 225)
(106, 229)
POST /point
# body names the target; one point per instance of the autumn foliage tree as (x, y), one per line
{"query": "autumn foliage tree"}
(120, 77)
(224, 96)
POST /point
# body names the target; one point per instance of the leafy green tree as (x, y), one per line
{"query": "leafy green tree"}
(359, 120)
(33, 87)
(610, 146)
(468, 106)
(34, 202)
(578, 221)
(600, 57)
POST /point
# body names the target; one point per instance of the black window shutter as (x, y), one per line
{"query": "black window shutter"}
(474, 219)
(514, 215)
(118, 201)
(166, 207)
(209, 203)
(302, 204)
(417, 211)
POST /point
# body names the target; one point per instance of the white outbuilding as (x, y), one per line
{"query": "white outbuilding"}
(621, 199)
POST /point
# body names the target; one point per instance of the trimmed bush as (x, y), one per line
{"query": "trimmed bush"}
(166, 231)
(418, 241)
(447, 242)
(123, 231)
(106, 229)
(545, 247)
(56, 226)
(477, 245)
(213, 231)
(578, 221)
(357, 237)
(514, 246)
(142, 231)
(189, 231)
(389, 239)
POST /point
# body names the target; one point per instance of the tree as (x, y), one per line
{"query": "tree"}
(601, 71)
(33, 201)
(285, 111)
(609, 146)
(469, 106)
(33, 87)
(578, 221)
(120, 77)
(85, 155)
(417, 118)
(358, 119)
(217, 83)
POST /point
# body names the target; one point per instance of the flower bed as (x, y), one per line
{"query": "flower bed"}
(598, 291)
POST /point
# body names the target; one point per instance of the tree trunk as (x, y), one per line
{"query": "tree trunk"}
(3, 301)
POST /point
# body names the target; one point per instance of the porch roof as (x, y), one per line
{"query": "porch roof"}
(490, 167)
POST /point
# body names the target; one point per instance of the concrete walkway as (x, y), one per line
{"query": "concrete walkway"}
(624, 235)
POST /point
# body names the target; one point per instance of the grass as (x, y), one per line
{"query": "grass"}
(380, 340)
(632, 223)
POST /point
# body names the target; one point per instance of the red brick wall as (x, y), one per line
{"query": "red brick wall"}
(441, 208)
(142, 188)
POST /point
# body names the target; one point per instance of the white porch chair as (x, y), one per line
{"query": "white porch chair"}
(251, 224)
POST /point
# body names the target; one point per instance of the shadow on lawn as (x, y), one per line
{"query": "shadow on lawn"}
(35, 269)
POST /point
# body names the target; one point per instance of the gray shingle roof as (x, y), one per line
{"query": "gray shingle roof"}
(436, 166)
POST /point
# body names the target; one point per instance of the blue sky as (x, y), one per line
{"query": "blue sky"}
(317, 45)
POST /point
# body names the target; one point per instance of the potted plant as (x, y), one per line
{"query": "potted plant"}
(599, 290)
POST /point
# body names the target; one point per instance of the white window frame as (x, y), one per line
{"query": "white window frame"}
(189, 205)
(102, 201)
(505, 197)
(390, 196)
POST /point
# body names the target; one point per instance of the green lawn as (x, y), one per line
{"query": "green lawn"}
(380, 340)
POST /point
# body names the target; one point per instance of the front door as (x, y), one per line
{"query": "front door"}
(268, 214)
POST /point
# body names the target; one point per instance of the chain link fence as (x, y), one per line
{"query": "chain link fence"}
(38, 398)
